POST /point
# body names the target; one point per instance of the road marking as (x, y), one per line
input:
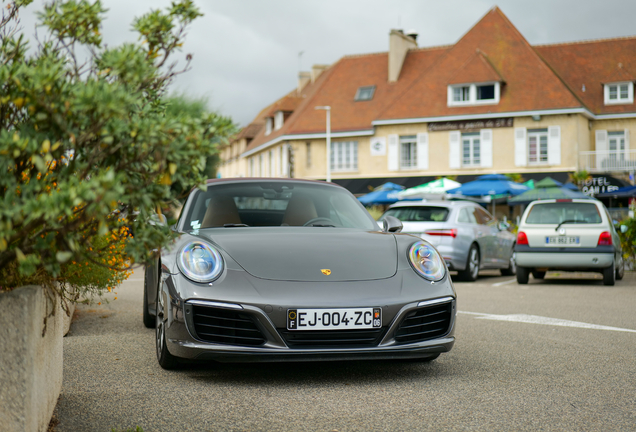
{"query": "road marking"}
(505, 282)
(535, 319)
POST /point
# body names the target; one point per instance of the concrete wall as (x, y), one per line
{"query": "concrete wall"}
(30, 363)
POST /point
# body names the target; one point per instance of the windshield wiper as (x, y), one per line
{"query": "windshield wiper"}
(325, 225)
(234, 225)
(566, 221)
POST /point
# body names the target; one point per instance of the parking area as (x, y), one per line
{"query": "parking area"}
(555, 354)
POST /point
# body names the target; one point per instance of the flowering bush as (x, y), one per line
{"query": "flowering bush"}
(88, 151)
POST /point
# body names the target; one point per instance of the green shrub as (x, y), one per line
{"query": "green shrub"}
(87, 146)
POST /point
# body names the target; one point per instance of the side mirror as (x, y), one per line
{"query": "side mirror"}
(624, 229)
(392, 224)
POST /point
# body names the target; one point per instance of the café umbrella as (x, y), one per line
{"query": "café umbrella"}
(382, 195)
(548, 188)
(434, 189)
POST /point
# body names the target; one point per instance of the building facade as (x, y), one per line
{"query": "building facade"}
(490, 103)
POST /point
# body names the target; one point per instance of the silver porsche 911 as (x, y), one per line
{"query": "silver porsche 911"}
(294, 270)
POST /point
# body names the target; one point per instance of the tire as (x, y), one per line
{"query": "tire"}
(149, 320)
(523, 274)
(620, 270)
(538, 274)
(472, 265)
(512, 266)
(166, 360)
(609, 275)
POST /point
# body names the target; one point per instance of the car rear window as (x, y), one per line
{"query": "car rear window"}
(559, 212)
(419, 214)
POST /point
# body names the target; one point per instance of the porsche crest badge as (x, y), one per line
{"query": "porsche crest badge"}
(326, 272)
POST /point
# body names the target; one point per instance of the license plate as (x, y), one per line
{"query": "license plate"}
(334, 319)
(562, 240)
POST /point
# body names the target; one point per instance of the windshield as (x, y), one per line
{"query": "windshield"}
(419, 214)
(277, 204)
(560, 212)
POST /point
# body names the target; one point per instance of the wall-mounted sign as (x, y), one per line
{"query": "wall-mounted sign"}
(471, 124)
(378, 146)
(600, 184)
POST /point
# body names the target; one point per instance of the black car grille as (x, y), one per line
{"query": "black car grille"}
(426, 323)
(332, 338)
(225, 326)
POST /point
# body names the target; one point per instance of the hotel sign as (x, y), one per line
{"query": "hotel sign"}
(471, 124)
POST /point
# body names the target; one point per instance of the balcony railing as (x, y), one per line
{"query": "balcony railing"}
(608, 161)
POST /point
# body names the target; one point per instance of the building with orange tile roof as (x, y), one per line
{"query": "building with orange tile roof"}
(490, 103)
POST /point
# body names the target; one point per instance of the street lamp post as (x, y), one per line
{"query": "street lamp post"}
(328, 109)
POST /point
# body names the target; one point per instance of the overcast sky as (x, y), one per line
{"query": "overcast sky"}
(246, 51)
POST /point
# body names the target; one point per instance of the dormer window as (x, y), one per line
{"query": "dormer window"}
(279, 118)
(619, 93)
(473, 94)
(365, 93)
(461, 94)
(268, 125)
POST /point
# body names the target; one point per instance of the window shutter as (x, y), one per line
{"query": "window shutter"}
(394, 153)
(627, 144)
(602, 149)
(422, 151)
(520, 147)
(284, 162)
(454, 137)
(485, 138)
(554, 145)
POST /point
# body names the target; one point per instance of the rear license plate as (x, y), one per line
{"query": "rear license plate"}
(562, 240)
(334, 319)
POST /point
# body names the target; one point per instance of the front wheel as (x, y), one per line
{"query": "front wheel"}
(609, 275)
(512, 266)
(149, 320)
(472, 266)
(620, 270)
(523, 275)
(165, 359)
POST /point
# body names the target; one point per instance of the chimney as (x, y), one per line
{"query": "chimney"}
(316, 70)
(303, 80)
(399, 44)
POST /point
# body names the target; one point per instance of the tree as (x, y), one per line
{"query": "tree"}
(88, 150)
(579, 178)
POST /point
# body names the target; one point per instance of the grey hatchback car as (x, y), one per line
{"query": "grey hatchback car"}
(568, 235)
(467, 236)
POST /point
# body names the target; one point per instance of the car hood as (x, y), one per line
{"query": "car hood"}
(307, 253)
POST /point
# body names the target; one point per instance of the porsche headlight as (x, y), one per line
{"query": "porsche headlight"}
(200, 262)
(426, 261)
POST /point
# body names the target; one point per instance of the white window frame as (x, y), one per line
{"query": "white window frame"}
(279, 119)
(619, 100)
(408, 161)
(538, 134)
(618, 137)
(471, 137)
(344, 156)
(272, 164)
(472, 94)
(268, 125)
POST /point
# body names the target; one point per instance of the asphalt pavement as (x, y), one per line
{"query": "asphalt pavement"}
(553, 355)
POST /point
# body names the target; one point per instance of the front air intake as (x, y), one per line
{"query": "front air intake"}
(425, 323)
(225, 326)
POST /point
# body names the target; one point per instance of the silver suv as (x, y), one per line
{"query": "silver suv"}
(568, 235)
(465, 234)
